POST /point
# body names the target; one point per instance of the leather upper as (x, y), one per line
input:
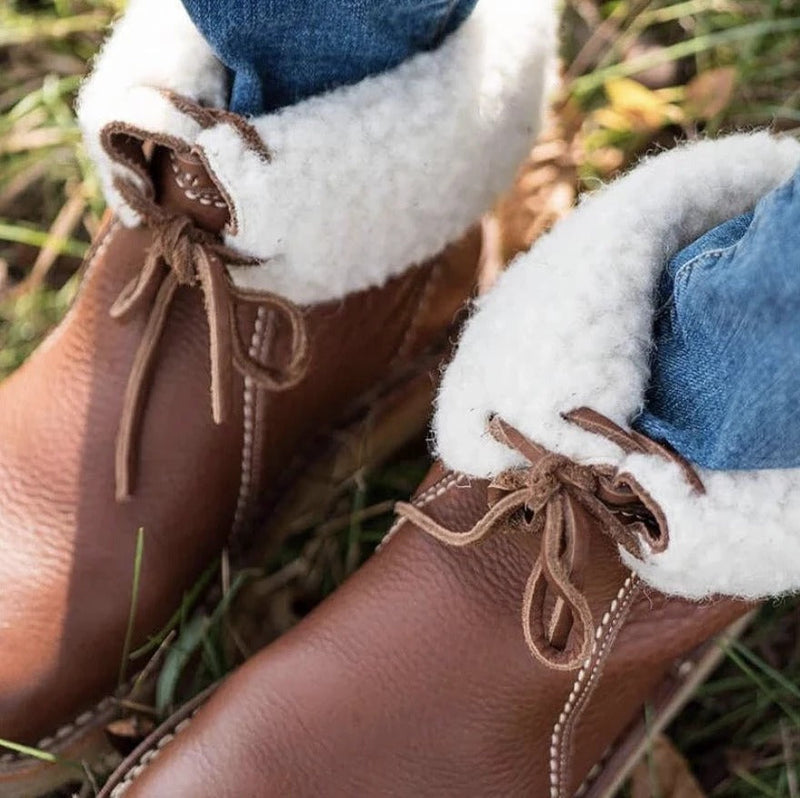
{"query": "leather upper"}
(414, 678)
(68, 543)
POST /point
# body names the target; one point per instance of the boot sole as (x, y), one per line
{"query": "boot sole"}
(393, 417)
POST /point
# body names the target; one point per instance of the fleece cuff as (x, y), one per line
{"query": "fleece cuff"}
(351, 187)
(569, 325)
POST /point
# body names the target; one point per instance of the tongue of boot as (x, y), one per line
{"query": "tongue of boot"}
(183, 199)
(183, 185)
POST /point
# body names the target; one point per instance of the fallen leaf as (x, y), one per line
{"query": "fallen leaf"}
(634, 107)
(710, 93)
(664, 773)
(125, 734)
(607, 160)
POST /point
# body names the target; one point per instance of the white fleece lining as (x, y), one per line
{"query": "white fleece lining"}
(570, 325)
(363, 181)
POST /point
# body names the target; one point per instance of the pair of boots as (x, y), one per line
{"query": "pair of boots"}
(550, 597)
(267, 279)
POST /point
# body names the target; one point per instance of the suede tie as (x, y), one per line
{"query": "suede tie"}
(540, 496)
(181, 254)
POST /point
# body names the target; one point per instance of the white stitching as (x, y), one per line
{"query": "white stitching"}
(390, 534)
(437, 489)
(424, 499)
(98, 253)
(186, 182)
(581, 687)
(150, 755)
(246, 477)
(684, 670)
(263, 335)
(84, 719)
(580, 698)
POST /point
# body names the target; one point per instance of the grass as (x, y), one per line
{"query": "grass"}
(137, 574)
(639, 74)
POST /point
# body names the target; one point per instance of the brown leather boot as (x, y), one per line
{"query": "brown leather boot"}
(414, 679)
(508, 636)
(261, 282)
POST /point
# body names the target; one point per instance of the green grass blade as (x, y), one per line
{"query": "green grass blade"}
(137, 571)
(757, 784)
(44, 28)
(23, 234)
(175, 662)
(595, 80)
(767, 670)
(189, 600)
(194, 636)
(42, 756)
(50, 88)
(769, 693)
(25, 750)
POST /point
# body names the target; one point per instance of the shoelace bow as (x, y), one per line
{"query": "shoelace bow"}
(181, 254)
(539, 494)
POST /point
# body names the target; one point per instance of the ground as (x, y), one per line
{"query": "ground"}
(637, 75)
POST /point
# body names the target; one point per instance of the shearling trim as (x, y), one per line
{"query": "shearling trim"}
(153, 44)
(570, 325)
(740, 538)
(362, 182)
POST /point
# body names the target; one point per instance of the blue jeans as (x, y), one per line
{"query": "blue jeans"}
(725, 381)
(283, 51)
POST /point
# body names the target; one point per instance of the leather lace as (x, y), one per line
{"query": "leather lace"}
(181, 254)
(539, 495)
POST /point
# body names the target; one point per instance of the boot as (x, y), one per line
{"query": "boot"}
(260, 282)
(556, 573)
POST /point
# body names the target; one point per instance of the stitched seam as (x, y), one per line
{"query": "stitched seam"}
(187, 183)
(686, 668)
(46, 743)
(437, 489)
(581, 689)
(232, 227)
(701, 258)
(250, 397)
(149, 756)
(425, 498)
(612, 622)
(104, 244)
(84, 719)
(261, 403)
